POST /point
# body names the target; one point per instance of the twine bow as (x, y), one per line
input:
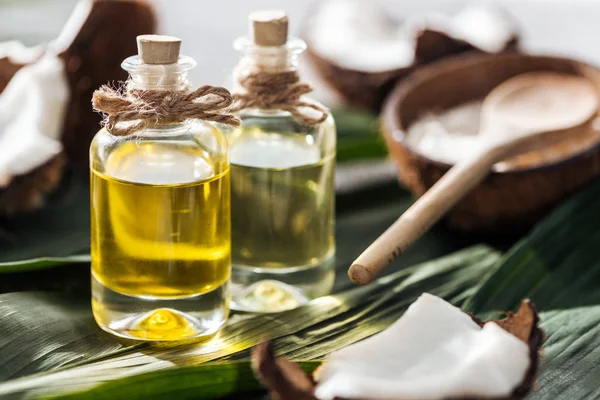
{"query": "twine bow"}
(159, 107)
(278, 90)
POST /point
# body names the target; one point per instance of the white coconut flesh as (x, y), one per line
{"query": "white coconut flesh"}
(449, 136)
(483, 27)
(32, 108)
(435, 351)
(359, 36)
(33, 104)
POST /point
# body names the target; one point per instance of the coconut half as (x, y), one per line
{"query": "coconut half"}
(32, 108)
(434, 351)
(45, 93)
(357, 48)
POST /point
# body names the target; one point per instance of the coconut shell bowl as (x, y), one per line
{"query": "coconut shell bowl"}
(518, 192)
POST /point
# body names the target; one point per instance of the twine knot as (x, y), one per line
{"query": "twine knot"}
(278, 90)
(137, 109)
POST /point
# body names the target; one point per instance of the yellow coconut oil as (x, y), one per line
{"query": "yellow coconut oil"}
(160, 224)
(160, 235)
(160, 239)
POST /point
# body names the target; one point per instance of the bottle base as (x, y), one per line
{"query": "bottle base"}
(160, 319)
(270, 290)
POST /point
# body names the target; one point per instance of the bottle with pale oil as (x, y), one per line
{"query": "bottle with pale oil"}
(160, 216)
(282, 185)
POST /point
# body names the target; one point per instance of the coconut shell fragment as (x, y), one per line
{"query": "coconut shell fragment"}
(7, 70)
(286, 380)
(433, 45)
(104, 33)
(524, 324)
(430, 39)
(27, 192)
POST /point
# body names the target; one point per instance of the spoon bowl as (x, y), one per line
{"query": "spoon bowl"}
(540, 102)
(533, 110)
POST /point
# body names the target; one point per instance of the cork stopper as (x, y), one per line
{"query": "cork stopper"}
(158, 49)
(269, 28)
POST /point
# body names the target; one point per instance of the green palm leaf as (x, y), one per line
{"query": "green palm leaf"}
(359, 135)
(569, 369)
(50, 345)
(571, 362)
(208, 381)
(76, 355)
(49, 236)
(42, 263)
(557, 265)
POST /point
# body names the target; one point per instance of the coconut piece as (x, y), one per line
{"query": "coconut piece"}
(358, 49)
(476, 28)
(45, 94)
(361, 52)
(359, 36)
(435, 351)
(32, 108)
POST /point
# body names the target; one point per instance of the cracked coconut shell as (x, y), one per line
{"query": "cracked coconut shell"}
(286, 380)
(103, 34)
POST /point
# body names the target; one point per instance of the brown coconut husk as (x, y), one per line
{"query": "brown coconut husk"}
(27, 192)
(524, 324)
(507, 202)
(7, 70)
(287, 381)
(360, 89)
(107, 36)
(433, 45)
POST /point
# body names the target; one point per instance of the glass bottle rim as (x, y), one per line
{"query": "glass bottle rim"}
(293, 46)
(134, 64)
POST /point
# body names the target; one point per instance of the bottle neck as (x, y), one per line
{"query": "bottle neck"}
(167, 77)
(158, 76)
(268, 59)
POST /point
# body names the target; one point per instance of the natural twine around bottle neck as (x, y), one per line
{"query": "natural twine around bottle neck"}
(130, 112)
(277, 91)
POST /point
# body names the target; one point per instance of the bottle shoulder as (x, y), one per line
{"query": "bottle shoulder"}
(201, 133)
(162, 155)
(284, 120)
(277, 138)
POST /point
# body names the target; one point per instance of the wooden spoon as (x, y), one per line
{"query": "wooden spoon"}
(524, 113)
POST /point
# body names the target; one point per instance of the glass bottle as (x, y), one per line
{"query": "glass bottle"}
(282, 193)
(160, 218)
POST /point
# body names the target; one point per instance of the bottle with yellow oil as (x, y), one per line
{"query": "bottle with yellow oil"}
(282, 176)
(160, 203)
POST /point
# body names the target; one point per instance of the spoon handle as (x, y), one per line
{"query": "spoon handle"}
(427, 210)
